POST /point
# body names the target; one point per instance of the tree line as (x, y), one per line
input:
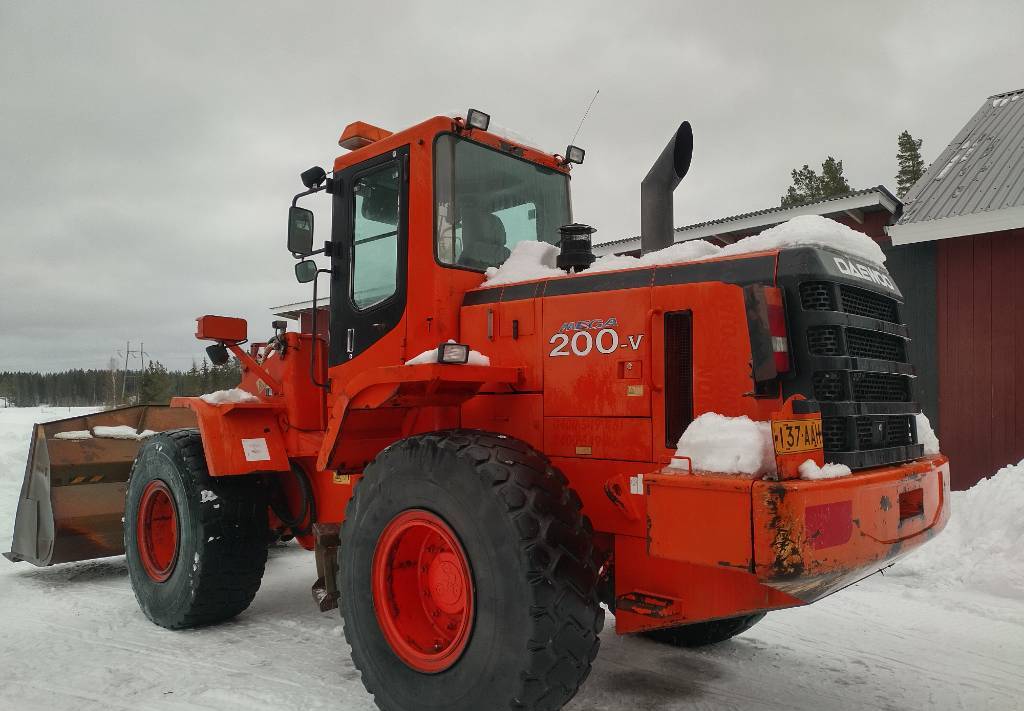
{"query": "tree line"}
(811, 186)
(82, 388)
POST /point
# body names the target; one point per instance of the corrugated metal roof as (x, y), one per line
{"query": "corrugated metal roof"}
(981, 170)
(773, 215)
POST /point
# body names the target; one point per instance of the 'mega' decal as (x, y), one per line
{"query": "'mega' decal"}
(581, 338)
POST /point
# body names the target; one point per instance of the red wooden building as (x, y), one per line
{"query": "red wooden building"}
(960, 246)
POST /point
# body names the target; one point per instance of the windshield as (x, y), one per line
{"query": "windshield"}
(489, 201)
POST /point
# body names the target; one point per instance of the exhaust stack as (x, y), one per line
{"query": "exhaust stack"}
(656, 221)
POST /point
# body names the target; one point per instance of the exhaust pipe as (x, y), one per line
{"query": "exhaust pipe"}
(656, 221)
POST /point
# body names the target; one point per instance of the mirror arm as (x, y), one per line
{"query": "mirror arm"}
(307, 192)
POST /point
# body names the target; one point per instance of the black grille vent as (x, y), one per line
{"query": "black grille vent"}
(867, 303)
(678, 375)
(829, 386)
(825, 340)
(880, 387)
(873, 344)
(833, 434)
(876, 432)
(817, 296)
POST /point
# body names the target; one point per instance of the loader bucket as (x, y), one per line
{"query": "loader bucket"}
(72, 499)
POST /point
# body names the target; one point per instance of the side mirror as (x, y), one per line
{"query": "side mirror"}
(300, 231)
(305, 271)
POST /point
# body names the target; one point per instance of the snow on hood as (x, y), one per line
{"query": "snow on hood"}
(529, 260)
(536, 260)
(982, 543)
(810, 231)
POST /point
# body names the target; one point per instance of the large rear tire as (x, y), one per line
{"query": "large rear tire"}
(466, 576)
(700, 634)
(196, 545)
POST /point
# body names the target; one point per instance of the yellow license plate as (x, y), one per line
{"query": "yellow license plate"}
(796, 435)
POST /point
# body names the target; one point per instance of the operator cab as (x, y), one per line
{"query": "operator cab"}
(424, 211)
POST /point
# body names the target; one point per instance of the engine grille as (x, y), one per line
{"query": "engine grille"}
(856, 369)
(817, 296)
(867, 303)
(880, 387)
(821, 296)
(874, 344)
(892, 431)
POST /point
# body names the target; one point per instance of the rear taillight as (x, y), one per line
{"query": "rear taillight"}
(766, 321)
(777, 328)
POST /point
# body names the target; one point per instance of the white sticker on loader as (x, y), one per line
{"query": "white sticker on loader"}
(256, 450)
(636, 484)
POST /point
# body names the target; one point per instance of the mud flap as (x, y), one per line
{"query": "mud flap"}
(72, 499)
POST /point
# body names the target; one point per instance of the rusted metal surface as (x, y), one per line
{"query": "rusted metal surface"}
(813, 538)
(647, 605)
(327, 538)
(72, 498)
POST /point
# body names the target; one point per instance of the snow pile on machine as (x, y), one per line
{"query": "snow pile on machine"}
(232, 396)
(105, 432)
(740, 447)
(981, 546)
(737, 445)
(536, 260)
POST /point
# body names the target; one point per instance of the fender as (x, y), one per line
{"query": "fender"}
(239, 438)
(371, 411)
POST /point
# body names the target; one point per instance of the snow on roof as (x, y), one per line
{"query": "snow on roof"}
(976, 184)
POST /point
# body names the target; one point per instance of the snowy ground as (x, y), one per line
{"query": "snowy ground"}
(72, 636)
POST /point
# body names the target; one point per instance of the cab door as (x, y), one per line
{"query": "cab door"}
(369, 260)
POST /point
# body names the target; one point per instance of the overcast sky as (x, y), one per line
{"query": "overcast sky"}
(149, 150)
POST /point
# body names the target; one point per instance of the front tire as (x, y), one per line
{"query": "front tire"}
(466, 576)
(195, 544)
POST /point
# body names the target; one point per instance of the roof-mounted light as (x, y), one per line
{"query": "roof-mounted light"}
(359, 134)
(478, 119)
(574, 154)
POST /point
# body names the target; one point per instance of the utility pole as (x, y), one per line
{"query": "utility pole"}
(141, 355)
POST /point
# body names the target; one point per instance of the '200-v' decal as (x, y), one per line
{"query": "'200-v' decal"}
(582, 337)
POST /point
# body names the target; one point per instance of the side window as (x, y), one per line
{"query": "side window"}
(375, 233)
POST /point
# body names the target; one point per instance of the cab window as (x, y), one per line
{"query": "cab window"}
(375, 236)
(488, 201)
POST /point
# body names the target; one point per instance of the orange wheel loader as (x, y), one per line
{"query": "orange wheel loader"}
(471, 515)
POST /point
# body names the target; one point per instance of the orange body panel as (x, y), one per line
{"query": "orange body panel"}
(579, 372)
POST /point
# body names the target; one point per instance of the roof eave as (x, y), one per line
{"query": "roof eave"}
(1010, 218)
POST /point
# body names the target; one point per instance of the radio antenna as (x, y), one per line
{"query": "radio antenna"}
(572, 141)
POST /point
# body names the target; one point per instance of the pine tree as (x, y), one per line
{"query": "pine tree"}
(156, 385)
(810, 187)
(910, 161)
(833, 182)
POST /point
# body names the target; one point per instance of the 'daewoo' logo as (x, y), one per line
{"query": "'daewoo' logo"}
(860, 271)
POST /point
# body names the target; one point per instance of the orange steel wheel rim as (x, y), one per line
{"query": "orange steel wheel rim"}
(157, 531)
(423, 591)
